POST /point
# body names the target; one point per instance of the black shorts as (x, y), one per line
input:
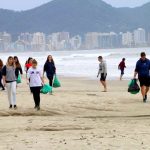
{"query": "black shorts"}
(103, 77)
(144, 81)
(122, 72)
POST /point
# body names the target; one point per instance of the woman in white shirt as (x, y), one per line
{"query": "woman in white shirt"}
(36, 81)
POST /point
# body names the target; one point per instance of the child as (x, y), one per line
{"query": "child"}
(9, 80)
(36, 81)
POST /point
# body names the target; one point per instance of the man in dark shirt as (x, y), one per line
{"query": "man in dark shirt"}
(143, 71)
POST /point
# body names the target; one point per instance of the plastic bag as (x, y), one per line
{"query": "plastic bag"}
(19, 79)
(133, 87)
(46, 89)
(56, 82)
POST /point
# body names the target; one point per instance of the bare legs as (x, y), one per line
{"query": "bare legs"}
(121, 77)
(144, 91)
(104, 85)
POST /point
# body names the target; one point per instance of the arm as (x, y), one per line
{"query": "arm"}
(105, 68)
(136, 70)
(44, 69)
(42, 78)
(98, 72)
(4, 75)
(20, 69)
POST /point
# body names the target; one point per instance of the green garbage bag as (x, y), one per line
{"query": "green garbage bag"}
(46, 89)
(56, 82)
(133, 87)
(19, 79)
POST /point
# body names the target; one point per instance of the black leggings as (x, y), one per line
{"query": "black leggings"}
(1, 84)
(36, 95)
(50, 78)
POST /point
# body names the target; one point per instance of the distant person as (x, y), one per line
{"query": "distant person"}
(18, 66)
(1, 68)
(50, 69)
(143, 70)
(9, 80)
(28, 64)
(102, 72)
(121, 67)
(36, 81)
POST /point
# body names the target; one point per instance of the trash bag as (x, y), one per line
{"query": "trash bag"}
(56, 82)
(46, 89)
(133, 87)
(19, 79)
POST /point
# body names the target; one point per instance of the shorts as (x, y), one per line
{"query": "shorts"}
(144, 81)
(122, 72)
(103, 77)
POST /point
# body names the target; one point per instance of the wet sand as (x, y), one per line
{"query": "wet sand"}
(78, 116)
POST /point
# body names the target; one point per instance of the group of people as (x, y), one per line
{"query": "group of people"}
(142, 69)
(10, 72)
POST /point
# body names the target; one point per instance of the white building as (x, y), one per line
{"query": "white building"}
(76, 42)
(91, 40)
(38, 41)
(127, 39)
(139, 37)
(5, 41)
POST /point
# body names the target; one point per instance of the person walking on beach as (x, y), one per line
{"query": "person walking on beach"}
(143, 70)
(28, 64)
(18, 67)
(9, 80)
(121, 67)
(50, 69)
(1, 68)
(102, 72)
(36, 81)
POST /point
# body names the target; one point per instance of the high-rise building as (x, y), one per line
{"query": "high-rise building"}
(91, 40)
(5, 41)
(127, 39)
(108, 40)
(38, 41)
(139, 37)
(76, 42)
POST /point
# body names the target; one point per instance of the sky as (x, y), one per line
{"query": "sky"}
(28, 4)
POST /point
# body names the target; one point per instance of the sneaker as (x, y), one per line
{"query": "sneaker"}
(35, 107)
(15, 107)
(10, 107)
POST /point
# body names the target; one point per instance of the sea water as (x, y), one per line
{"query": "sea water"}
(84, 63)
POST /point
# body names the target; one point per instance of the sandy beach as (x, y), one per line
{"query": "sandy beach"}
(78, 116)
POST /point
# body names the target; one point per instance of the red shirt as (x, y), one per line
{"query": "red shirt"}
(28, 66)
(122, 65)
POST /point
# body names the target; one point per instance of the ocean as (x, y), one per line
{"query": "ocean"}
(84, 63)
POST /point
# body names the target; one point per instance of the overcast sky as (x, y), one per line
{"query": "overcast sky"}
(28, 4)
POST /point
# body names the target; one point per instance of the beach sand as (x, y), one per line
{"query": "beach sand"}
(78, 116)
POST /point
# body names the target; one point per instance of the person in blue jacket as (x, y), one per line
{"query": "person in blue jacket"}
(50, 69)
(143, 70)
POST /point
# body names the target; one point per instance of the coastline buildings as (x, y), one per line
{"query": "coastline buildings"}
(64, 41)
